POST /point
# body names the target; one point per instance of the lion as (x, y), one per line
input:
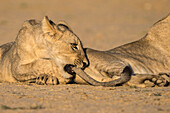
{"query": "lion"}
(40, 54)
(143, 63)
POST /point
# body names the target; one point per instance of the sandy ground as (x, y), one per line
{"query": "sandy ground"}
(100, 24)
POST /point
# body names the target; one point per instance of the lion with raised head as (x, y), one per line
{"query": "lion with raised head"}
(40, 54)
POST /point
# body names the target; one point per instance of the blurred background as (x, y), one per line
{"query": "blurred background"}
(100, 24)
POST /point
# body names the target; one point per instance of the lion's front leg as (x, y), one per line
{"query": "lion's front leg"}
(46, 80)
(39, 72)
(148, 80)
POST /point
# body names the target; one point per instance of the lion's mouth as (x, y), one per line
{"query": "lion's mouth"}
(68, 69)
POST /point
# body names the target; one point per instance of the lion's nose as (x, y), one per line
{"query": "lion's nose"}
(85, 62)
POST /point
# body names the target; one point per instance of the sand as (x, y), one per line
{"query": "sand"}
(100, 24)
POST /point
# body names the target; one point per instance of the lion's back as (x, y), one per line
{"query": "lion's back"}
(4, 48)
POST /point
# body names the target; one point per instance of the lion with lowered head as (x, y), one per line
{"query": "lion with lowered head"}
(44, 53)
(40, 54)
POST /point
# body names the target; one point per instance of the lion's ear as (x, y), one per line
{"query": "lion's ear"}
(63, 24)
(48, 26)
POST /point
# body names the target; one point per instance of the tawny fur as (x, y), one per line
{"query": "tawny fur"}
(148, 57)
(40, 52)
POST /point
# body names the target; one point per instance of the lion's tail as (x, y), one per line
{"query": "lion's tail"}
(125, 77)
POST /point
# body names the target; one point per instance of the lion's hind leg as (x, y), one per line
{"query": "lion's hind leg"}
(149, 80)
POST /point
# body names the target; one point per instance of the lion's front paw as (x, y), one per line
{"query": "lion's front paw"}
(148, 81)
(47, 80)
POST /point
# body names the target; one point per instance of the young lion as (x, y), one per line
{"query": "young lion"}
(147, 59)
(40, 53)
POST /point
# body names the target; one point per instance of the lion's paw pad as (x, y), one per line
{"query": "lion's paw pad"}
(149, 80)
(48, 80)
(156, 80)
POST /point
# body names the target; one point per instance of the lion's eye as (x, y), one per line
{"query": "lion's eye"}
(74, 46)
(51, 35)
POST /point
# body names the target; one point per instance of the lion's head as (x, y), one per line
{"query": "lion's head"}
(56, 42)
(63, 46)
